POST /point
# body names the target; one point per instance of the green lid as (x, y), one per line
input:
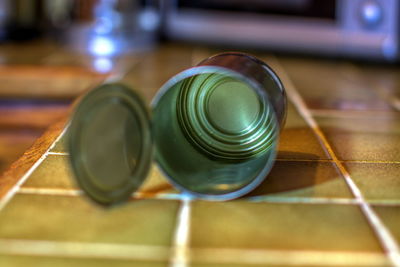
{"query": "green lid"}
(110, 143)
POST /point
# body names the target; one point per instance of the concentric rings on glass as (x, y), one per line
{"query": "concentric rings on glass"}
(214, 131)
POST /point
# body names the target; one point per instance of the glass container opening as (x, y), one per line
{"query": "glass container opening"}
(215, 132)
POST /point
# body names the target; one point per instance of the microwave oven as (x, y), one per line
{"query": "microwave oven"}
(356, 28)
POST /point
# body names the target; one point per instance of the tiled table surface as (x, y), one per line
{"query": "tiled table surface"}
(332, 198)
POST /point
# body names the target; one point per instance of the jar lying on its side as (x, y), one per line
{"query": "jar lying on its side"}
(214, 129)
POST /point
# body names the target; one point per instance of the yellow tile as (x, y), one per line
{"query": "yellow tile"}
(390, 215)
(42, 261)
(297, 140)
(157, 67)
(327, 84)
(303, 179)
(61, 145)
(377, 181)
(223, 265)
(384, 78)
(156, 183)
(282, 258)
(240, 224)
(373, 137)
(380, 260)
(53, 172)
(76, 219)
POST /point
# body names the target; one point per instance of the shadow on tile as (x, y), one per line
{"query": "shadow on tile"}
(156, 183)
(303, 179)
(288, 155)
(300, 143)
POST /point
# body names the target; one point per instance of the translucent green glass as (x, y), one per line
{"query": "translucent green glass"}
(215, 132)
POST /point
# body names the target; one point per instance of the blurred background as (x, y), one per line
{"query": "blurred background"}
(52, 50)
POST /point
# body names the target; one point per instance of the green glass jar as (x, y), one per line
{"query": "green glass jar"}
(214, 130)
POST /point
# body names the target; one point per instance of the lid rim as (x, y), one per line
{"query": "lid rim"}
(85, 111)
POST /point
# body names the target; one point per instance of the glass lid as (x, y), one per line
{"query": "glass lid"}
(110, 143)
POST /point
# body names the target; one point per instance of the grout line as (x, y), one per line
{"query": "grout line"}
(387, 241)
(305, 160)
(166, 196)
(267, 257)
(78, 192)
(15, 188)
(290, 159)
(83, 250)
(353, 114)
(50, 191)
(58, 153)
(385, 203)
(176, 196)
(370, 161)
(152, 253)
(180, 254)
(304, 200)
(343, 161)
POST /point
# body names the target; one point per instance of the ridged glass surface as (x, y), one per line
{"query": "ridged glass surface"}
(215, 134)
(224, 117)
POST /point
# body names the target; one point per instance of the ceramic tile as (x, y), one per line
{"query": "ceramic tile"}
(275, 233)
(8, 260)
(373, 137)
(377, 181)
(297, 140)
(63, 57)
(61, 145)
(54, 172)
(390, 215)
(157, 67)
(240, 224)
(232, 265)
(46, 82)
(220, 264)
(303, 179)
(239, 265)
(286, 259)
(384, 78)
(156, 183)
(76, 219)
(326, 84)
